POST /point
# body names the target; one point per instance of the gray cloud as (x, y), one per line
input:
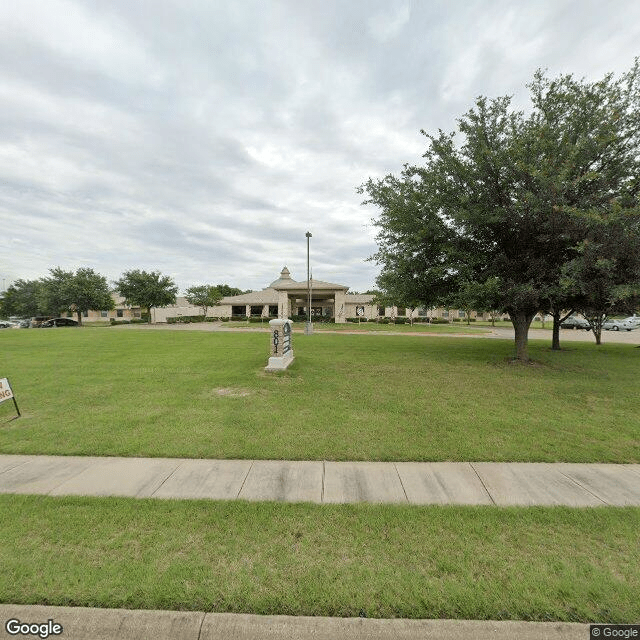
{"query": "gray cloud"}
(204, 139)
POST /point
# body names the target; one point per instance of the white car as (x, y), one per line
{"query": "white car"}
(618, 325)
(633, 320)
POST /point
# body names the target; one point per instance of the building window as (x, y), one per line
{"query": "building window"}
(85, 314)
(273, 310)
(461, 313)
(402, 311)
(256, 310)
(445, 314)
(104, 314)
(380, 311)
(238, 310)
(136, 314)
(120, 313)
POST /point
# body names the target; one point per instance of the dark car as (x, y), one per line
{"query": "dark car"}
(574, 322)
(59, 322)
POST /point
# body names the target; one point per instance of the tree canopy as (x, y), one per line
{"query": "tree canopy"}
(203, 296)
(76, 292)
(22, 299)
(501, 206)
(147, 290)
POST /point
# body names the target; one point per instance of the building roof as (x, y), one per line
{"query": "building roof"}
(285, 278)
(266, 296)
(285, 282)
(316, 285)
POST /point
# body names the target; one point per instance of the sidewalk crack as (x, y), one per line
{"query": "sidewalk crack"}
(482, 482)
(595, 495)
(204, 615)
(245, 479)
(162, 483)
(406, 497)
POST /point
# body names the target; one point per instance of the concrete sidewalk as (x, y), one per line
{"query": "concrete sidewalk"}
(417, 483)
(105, 624)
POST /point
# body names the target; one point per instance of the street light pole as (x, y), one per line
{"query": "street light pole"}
(309, 328)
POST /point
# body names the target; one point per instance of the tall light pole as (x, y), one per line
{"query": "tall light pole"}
(309, 328)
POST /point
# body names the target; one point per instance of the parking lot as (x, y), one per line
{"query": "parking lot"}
(574, 335)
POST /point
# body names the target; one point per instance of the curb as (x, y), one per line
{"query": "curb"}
(79, 623)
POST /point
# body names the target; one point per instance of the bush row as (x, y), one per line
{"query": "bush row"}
(113, 321)
(298, 318)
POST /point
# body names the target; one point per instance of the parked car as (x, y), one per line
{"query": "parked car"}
(59, 322)
(618, 325)
(574, 322)
(633, 320)
(5, 325)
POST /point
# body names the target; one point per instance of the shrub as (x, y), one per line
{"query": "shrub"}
(401, 320)
(439, 321)
(211, 319)
(352, 319)
(238, 318)
(256, 319)
(384, 320)
(456, 319)
(224, 319)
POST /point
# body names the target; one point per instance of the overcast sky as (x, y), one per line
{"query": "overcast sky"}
(203, 139)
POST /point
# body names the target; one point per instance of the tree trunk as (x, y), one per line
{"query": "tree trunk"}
(558, 319)
(596, 326)
(521, 321)
(555, 340)
(79, 313)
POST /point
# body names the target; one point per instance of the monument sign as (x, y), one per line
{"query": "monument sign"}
(281, 347)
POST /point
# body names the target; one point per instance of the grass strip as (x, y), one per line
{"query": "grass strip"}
(339, 560)
(346, 397)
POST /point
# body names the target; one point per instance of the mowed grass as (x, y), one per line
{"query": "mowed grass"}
(372, 327)
(339, 560)
(136, 392)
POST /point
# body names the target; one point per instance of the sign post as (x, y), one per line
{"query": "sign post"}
(6, 393)
(281, 347)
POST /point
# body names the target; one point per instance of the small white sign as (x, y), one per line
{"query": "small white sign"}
(5, 390)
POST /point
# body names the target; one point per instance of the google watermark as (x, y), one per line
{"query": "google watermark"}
(625, 631)
(15, 627)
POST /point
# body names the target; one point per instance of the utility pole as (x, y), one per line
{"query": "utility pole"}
(309, 328)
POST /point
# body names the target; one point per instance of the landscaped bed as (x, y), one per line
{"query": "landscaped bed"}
(379, 561)
(346, 397)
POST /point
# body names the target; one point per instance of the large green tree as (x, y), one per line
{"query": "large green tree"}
(203, 296)
(502, 202)
(78, 291)
(22, 299)
(146, 289)
(604, 276)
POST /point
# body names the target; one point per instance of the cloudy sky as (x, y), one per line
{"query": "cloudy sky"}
(204, 138)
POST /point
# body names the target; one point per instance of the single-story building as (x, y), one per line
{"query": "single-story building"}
(121, 311)
(286, 298)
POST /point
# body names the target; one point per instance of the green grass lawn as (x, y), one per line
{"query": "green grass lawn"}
(197, 394)
(418, 327)
(339, 560)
